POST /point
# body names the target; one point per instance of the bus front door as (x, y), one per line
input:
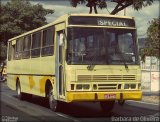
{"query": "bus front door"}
(60, 64)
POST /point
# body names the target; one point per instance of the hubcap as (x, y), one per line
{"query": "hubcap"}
(52, 101)
(18, 90)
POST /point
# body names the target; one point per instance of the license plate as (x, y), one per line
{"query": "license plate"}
(110, 96)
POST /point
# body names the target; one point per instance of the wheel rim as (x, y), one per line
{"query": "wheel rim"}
(18, 90)
(121, 102)
(52, 101)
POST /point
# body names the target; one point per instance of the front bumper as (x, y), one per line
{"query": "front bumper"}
(100, 96)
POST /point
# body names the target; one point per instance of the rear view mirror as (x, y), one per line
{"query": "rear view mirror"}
(61, 40)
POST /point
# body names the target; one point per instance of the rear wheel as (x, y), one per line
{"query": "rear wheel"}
(20, 95)
(53, 103)
(107, 106)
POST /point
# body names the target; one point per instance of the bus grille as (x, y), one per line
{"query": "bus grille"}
(106, 77)
(107, 86)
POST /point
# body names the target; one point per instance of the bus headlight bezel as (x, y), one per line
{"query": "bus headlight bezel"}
(130, 86)
(133, 86)
(126, 86)
(79, 87)
(139, 86)
(86, 86)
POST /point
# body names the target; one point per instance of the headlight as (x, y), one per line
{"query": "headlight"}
(94, 87)
(126, 86)
(72, 86)
(86, 86)
(79, 86)
(82, 87)
(119, 86)
(133, 86)
(130, 86)
(139, 86)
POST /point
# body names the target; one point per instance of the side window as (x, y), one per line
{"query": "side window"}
(19, 47)
(48, 42)
(36, 43)
(26, 46)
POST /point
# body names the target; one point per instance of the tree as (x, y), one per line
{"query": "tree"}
(152, 46)
(120, 4)
(3, 51)
(19, 16)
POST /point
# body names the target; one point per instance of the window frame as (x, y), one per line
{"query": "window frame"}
(47, 49)
(35, 51)
(18, 48)
(26, 53)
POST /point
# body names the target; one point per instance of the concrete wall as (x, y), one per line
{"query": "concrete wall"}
(150, 74)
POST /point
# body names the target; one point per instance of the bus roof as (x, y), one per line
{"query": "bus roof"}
(65, 17)
(100, 15)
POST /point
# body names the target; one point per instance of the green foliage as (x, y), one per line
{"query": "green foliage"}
(3, 51)
(99, 3)
(19, 16)
(120, 4)
(139, 4)
(152, 47)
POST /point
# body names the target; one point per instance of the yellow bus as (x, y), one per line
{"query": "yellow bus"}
(77, 58)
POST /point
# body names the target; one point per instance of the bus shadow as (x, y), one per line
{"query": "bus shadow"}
(86, 109)
(83, 109)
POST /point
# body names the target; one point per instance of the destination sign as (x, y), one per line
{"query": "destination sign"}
(101, 21)
(107, 22)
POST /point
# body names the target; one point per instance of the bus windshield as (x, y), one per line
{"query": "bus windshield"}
(101, 46)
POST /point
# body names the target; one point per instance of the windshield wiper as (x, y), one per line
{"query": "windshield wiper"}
(91, 65)
(123, 59)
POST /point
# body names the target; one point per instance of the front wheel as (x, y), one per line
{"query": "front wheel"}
(121, 102)
(53, 103)
(107, 106)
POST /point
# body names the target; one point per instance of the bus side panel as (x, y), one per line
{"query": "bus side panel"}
(41, 70)
(11, 78)
(47, 65)
(35, 84)
(11, 82)
(24, 81)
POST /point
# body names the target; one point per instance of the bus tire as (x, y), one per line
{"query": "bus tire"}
(53, 103)
(121, 102)
(20, 95)
(107, 106)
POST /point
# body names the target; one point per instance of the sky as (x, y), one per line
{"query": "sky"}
(142, 17)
